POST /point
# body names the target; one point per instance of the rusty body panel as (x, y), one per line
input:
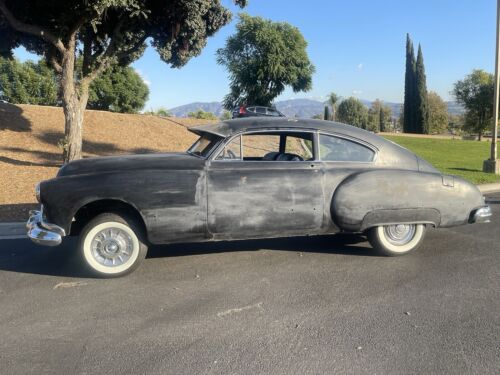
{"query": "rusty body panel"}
(185, 197)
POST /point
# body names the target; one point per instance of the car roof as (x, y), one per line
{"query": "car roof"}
(230, 127)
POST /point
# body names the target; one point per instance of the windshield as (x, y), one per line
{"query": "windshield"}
(204, 145)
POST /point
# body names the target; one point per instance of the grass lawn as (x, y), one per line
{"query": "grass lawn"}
(461, 158)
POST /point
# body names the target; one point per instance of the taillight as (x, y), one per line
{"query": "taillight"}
(242, 110)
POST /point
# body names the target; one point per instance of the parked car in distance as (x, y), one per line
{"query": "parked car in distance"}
(255, 111)
(251, 178)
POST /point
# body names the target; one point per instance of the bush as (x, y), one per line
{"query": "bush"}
(202, 115)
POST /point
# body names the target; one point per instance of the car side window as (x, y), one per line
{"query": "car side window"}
(340, 149)
(257, 146)
(261, 110)
(231, 151)
(300, 146)
(278, 146)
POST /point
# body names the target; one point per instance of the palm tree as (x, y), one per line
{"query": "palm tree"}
(332, 100)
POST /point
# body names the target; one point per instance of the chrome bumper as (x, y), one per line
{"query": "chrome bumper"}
(481, 215)
(43, 233)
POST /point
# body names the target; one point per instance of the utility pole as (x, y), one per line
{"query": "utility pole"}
(492, 165)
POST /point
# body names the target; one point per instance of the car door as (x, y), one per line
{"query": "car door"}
(252, 195)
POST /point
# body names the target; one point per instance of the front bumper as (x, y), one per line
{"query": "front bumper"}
(43, 233)
(481, 215)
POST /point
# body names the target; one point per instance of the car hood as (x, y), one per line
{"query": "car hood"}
(172, 161)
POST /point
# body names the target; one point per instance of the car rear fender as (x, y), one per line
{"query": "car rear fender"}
(388, 196)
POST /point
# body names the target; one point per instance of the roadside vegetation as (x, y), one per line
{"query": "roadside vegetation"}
(202, 115)
(452, 156)
(117, 89)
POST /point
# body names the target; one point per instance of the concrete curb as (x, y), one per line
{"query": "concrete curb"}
(489, 188)
(11, 231)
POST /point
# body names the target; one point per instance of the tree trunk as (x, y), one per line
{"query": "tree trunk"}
(74, 100)
(73, 125)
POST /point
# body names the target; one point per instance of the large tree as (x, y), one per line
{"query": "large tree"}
(27, 83)
(104, 33)
(262, 58)
(475, 93)
(409, 114)
(385, 119)
(353, 112)
(421, 102)
(379, 116)
(118, 89)
(438, 113)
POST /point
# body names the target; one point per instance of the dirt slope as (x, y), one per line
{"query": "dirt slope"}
(29, 150)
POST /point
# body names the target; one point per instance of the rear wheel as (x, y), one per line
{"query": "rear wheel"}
(111, 245)
(399, 239)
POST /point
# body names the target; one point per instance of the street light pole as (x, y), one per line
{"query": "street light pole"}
(492, 165)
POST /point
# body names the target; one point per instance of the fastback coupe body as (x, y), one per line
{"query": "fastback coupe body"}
(251, 178)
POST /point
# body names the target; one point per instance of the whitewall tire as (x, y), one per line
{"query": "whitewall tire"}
(111, 245)
(399, 239)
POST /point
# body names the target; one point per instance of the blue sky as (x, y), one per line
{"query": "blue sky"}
(357, 47)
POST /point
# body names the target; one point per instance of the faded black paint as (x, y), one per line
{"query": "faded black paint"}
(182, 197)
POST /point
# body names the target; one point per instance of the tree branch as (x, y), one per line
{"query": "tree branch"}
(31, 29)
(55, 64)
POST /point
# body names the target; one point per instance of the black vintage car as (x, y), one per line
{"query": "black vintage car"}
(251, 178)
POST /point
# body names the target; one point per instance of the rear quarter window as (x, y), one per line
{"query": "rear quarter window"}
(339, 149)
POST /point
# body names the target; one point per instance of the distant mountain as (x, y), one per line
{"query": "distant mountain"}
(455, 109)
(302, 108)
(183, 110)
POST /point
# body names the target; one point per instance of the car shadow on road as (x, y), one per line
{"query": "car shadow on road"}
(20, 255)
(337, 244)
(24, 257)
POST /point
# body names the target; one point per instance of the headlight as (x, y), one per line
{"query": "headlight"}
(37, 192)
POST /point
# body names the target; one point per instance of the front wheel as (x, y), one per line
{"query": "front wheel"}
(111, 245)
(399, 239)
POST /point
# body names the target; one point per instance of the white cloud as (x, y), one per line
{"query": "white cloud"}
(360, 66)
(356, 92)
(144, 77)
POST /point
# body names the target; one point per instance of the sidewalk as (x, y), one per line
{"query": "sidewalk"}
(11, 231)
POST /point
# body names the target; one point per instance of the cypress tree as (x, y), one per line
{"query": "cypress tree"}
(422, 103)
(381, 119)
(326, 114)
(410, 88)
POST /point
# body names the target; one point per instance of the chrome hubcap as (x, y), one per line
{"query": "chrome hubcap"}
(399, 234)
(112, 247)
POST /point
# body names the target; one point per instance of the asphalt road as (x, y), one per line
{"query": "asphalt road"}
(294, 306)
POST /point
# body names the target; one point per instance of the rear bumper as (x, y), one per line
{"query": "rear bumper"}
(481, 215)
(43, 233)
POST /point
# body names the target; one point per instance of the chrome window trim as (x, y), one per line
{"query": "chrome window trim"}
(223, 144)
